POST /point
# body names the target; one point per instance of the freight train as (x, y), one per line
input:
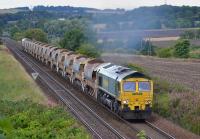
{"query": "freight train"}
(127, 92)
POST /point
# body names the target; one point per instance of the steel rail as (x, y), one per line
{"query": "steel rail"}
(159, 130)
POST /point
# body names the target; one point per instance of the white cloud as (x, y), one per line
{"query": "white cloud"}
(102, 4)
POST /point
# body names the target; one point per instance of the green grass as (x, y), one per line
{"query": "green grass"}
(15, 83)
(164, 52)
(161, 104)
(195, 52)
(23, 107)
(136, 68)
(24, 119)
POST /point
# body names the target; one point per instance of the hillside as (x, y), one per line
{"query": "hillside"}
(157, 17)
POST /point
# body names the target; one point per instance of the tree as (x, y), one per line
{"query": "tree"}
(182, 49)
(14, 30)
(88, 50)
(18, 36)
(148, 49)
(1, 32)
(73, 39)
(36, 34)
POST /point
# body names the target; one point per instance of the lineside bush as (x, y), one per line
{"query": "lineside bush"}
(24, 110)
(24, 119)
(165, 52)
(182, 49)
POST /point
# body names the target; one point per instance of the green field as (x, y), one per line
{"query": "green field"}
(15, 83)
(24, 112)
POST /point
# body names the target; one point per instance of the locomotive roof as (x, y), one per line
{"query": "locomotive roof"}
(115, 72)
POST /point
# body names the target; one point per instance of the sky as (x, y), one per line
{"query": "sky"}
(100, 4)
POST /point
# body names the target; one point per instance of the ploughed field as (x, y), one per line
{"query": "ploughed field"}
(184, 72)
(170, 43)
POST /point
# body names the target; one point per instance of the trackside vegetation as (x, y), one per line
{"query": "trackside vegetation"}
(89, 50)
(24, 110)
(141, 135)
(175, 102)
(34, 34)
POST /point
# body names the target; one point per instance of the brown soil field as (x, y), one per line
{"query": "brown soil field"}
(184, 72)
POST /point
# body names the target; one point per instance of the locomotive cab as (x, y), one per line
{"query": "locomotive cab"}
(127, 92)
(136, 96)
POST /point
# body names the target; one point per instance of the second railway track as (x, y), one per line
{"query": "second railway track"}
(97, 121)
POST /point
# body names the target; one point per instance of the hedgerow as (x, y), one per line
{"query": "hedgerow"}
(25, 119)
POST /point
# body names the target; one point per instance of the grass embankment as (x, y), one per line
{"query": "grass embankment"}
(23, 107)
(175, 102)
(195, 52)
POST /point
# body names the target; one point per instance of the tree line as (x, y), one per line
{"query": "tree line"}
(74, 35)
(157, 17)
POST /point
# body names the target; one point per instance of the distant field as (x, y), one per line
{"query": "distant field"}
(170, 43)
(4, 11)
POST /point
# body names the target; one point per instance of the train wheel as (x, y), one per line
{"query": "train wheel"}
(64, 74)
(57, 69)
(83, 87)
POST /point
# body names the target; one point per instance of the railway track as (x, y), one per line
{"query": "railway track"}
(147, 127)
(90, 117)
(93, 122)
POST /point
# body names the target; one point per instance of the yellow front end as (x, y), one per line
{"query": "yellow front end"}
(136, 95)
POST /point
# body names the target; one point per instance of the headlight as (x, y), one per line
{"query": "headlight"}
(125, 102)
(148, 101)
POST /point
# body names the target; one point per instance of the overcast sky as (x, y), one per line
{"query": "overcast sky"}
(101, 4)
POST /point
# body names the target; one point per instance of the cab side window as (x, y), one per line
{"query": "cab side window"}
(100, 80)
